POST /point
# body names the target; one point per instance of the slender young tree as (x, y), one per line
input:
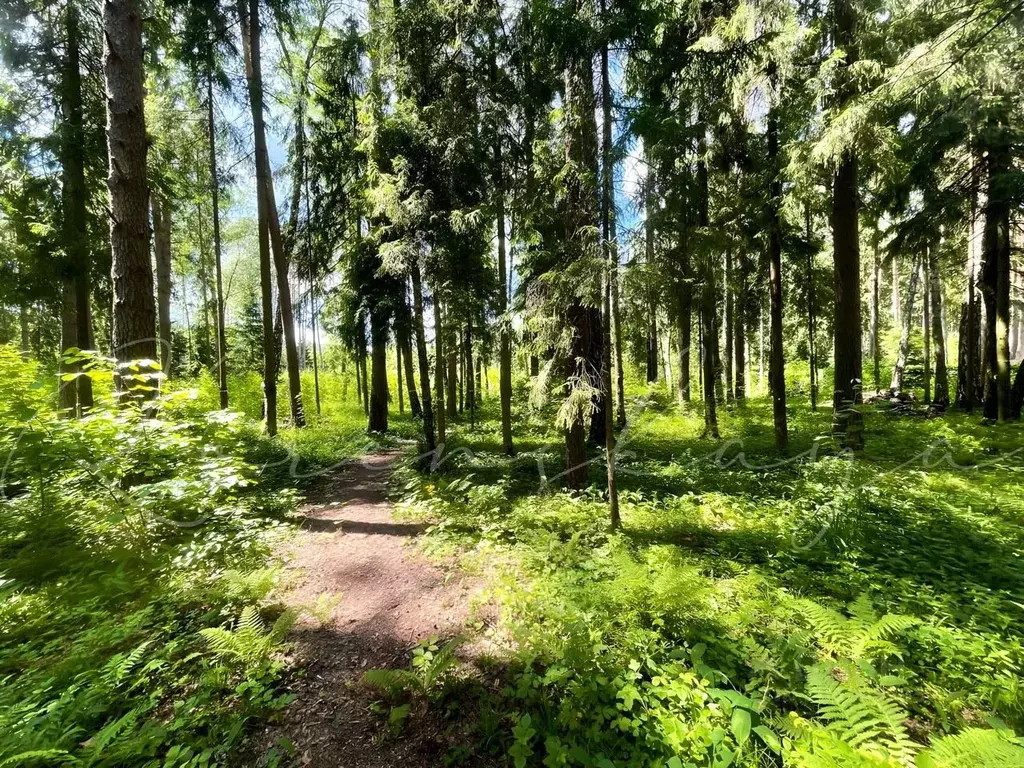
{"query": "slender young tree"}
(265, 193)
(253, 77)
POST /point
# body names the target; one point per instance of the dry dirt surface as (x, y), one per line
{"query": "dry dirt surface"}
(391, 599)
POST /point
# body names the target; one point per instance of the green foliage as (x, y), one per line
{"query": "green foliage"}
(820, 612)
(129, 540)
(433, 667)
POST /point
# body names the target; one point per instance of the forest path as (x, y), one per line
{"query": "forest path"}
(391, 598)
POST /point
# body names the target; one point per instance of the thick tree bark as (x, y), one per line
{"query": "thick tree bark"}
(421, 356)
(1017, 396)
(907, 313)
(134, 315)
(162, 253)
(266, 269)
(73, 199)
(265, 186)
(582, 314)
(378, 420)
(848, 366)
(403, 339)
(938, 330)
(313, 314)
(222, 341)
(968, 363)
(777, 366)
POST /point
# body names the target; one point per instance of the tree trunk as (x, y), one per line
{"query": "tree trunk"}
(452, 378)
(366, 384)
(134, 315)
(729, 325)
(899, 369)
(438, 374)
(938, 331)
(162, 252)
(222, 342)
(421, 357)
(1017, 396)
(265, 193)
(709, 335)
(896, 301)
(874, 349)
(403, 338)
(266, 269)
(652, 306)
(398, 371)
(67, 391)
(926, 324)
(378, 420)
(970, 327)
(685, 337)
(73, 199)
(468, 376)
(848, 367)
(777, 366)
(581, 217)
(316, 365)
(812, 347)
(740, 333)
(504, 336)
(606, 366)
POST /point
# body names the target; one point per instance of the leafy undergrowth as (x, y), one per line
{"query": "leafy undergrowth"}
(815, 610)
(135, 563)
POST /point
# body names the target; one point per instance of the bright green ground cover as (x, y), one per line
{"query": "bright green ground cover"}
(755, 609)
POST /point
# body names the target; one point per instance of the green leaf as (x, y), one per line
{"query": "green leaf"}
(741, 725)
(769, 737)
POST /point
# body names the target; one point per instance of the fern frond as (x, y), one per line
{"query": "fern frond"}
(284, 624)
(112, 730)
(859, 715)
(973, 748)
(392, 682)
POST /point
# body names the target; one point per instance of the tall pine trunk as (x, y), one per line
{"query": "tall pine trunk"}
(848, 365)
(378, 419)
(265, 192)
(582, 314)
(222, 341)
(729, 327)
(134, 314)
(812, 347)
(255, 88)
(926, 323)
(438, 374)
(777, 366)
(73, 199)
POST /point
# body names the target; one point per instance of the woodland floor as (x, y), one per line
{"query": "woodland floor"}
(391, 599)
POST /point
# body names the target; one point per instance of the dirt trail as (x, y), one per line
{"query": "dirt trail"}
(391, 598)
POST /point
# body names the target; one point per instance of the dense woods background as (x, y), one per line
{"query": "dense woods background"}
(599, 238)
